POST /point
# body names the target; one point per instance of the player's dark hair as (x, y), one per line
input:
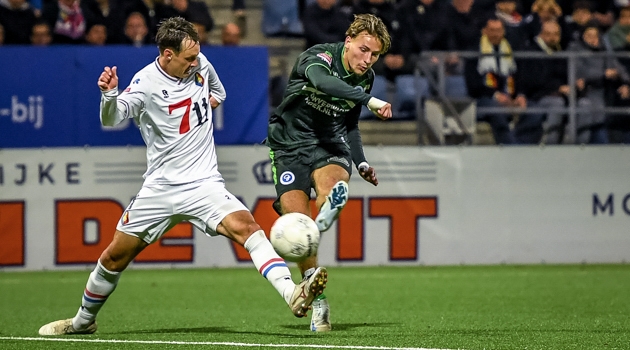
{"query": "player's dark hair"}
(373, 26)
(173, 31)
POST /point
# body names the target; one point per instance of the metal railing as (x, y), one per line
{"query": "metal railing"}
(571, 110)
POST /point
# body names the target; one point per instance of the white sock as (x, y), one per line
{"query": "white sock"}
(269, 264)
(100, 285)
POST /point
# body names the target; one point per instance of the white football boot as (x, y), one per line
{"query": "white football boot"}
(307, 290)
(335, 201)
(320, 321)
(62, 327)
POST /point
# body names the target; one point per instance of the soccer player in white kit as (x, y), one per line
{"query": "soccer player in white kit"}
(171, 99)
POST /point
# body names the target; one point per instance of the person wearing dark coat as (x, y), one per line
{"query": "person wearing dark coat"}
(17, 18)
(324, 22)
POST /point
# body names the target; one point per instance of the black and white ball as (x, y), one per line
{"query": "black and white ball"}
(295, 237)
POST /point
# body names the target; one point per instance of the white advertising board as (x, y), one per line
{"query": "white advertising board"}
(433, 205)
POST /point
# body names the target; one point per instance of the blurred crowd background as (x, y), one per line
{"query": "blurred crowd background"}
(531, 67)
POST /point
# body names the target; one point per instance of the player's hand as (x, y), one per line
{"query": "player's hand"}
(384, 112)
(368, 174)
(213, 102)
(108, 79)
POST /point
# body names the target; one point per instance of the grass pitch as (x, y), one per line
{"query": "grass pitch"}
(470, 307)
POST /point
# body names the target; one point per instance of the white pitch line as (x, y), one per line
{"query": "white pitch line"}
(79, 340)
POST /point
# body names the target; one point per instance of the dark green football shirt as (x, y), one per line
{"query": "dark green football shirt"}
(322, 101)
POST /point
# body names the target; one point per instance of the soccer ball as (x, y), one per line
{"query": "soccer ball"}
(295, 236)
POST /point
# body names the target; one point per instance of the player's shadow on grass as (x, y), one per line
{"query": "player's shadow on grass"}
(206, 330)
(347, 326)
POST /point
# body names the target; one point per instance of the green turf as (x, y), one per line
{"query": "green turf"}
(471, 307)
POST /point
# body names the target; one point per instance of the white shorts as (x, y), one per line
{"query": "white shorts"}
(156, 209)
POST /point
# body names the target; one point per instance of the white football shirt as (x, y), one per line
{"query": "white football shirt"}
(175, 120)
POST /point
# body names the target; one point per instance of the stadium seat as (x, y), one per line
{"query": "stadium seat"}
(280, 18)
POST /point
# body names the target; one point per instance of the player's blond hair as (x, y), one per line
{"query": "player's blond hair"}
(373, 26)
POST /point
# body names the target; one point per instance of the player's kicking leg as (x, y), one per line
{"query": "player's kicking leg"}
(299, 298)
(101, 283)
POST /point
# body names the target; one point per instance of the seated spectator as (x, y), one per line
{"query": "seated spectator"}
(383, 9)
(596, 74)
(324, 23)
(17, 18)
(541, 11)
(110, 14)
(576, 22)
(96, 34)
(231, 35)
(203, 33)
(68, 20)
(491, 79)
(619, 38)
(194, 11)
(603, 13)
(464, 26)
(136, 30)
(153, 11)
(40, 35)
(619, 34)
(545, 82)
(511, 18)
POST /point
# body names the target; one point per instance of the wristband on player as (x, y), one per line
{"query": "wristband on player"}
(375, 104)
(363, 166)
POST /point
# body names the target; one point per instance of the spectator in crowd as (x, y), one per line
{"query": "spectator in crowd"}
(68, 20)
(96, 34)
(194, 11)
(491, 79)
(580, 18)
(619, 34)
(603, 13)
(17, 18)
(511, 18)
(40, 35)
(153, 12)
(1, 35)
(596, 74)
(204, 39)
(545, 82)
(541, 11)
(619, 38)
(231, 35)
(324, 23)
(383, 9)
(464, 26)
(136, 30)
(110, 14)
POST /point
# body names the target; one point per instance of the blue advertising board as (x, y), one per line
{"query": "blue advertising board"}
(49, 96)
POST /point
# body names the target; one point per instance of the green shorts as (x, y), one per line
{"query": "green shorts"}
(292, 168)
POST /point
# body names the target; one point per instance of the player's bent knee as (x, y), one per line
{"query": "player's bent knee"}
(238, 226)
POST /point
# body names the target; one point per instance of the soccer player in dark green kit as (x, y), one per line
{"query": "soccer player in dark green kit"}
(314, 135)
